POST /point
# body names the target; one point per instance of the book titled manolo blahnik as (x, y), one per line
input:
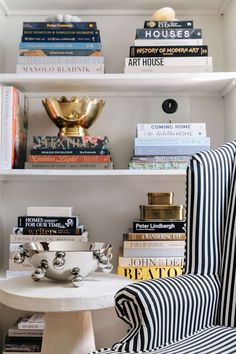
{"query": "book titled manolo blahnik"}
(177, 51)
(168, 33)
(57, 68)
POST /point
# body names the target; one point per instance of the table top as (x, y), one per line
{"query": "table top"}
(96, 292)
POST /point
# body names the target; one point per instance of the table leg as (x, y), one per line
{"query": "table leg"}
(68, 333)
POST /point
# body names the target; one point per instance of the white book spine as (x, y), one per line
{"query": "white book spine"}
(174, 61)
(166, 42)
(171, 126)
(153, 244)
(172, 141)
(50, 211)
(52, 60)
(6, 127)
(151, 262)
(60, 68)
(167, 69)
(46, 238)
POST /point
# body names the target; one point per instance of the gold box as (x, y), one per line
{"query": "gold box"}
(160, 198)
(162, 212)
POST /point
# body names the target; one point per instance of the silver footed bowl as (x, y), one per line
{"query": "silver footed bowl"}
(65, 260)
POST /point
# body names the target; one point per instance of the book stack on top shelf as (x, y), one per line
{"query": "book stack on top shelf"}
(43, 224)
(168, 46)
(14, 125)
(25, 335)
(75, 152)
(60, 47)
(155, 246)
(164, 146)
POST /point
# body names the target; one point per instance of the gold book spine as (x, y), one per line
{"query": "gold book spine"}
(160, 198)
(165, 212)
(132, 236)
(146, 273)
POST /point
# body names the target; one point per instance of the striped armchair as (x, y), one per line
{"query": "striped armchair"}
(196, 312)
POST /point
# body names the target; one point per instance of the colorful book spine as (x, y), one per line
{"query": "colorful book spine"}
(69, 159)
(168, 33)
(60, 45)
(60, 68)
(78, 151)
(168, 24)
(56, 53)
(176, 51)
(159, 227)
(59, 25)
(59, 32)
(167, 42)
(64, 143)
(48, 222)
(171, 165)
(151, 262)
(53, 60)
(172, 141)
(69, 166)
(174, 61)
(146, 273)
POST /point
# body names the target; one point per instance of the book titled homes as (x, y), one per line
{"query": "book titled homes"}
(171, 46)
(154, 248)
(57, 47)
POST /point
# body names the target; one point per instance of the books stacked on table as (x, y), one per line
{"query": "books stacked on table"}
(171, 46)
(14, 125)
(167, 146)
(43, 224)
(25, 335)
(155, 246)
(60, 47)
(81, 152)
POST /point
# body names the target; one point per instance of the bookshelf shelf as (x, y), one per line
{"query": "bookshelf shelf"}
(216, 82)
(15, 175)
(14, 7)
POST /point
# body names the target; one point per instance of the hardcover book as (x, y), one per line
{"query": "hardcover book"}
(172, 51)
(168, 24)
(145, 273)
(166, 33)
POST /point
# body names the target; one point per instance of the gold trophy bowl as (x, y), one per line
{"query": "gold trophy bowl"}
(73, 116)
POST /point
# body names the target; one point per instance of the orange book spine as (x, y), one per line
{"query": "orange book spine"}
(70, 158)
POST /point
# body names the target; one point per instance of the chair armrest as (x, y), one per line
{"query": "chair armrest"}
(165, 310)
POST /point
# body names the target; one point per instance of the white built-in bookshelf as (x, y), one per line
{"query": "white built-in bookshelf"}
(108, 201)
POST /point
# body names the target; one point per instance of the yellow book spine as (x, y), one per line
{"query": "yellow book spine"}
(146, 273)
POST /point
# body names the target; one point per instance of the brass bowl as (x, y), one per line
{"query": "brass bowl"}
(73, 116)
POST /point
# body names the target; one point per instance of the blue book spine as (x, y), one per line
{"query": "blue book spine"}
(166, 33)
(165, 150)
(173, 141)
(60, 45)
(62, 38)
(59, 25)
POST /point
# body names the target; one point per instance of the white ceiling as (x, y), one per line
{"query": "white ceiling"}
(14, 7)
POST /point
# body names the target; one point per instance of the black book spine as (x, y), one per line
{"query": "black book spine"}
(175, 51)
(159, 226)
(168, 33)
(67, 143)
(59, 25)
(168, 24)
(79, 151)
(48, 222)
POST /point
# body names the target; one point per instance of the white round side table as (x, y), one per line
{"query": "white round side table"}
(68, 322)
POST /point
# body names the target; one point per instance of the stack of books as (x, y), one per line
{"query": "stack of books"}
(155, 247)
(60, 47)
(43, 224)
(13, 127)
(25, 335)
(76, 152)
(167, 146)
(171, 46)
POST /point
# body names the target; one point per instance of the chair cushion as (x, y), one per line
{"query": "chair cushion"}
(211, 340)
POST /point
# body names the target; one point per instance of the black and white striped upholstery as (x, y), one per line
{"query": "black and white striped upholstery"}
(182, 314)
